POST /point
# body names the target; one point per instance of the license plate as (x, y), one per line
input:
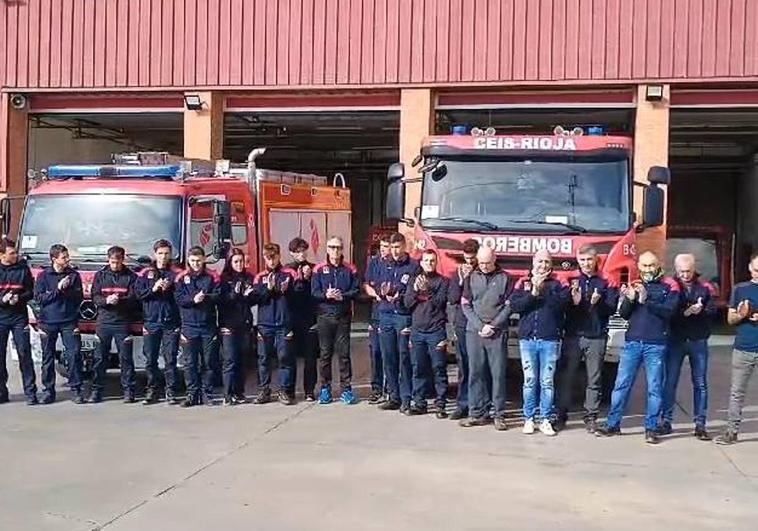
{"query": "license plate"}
(88, 344)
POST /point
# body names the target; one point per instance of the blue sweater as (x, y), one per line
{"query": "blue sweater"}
(58, 306)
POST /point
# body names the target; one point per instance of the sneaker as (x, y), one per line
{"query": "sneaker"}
(590, 424)
(607, 431)
(228, 401)
(389, 405)
(348, 397)
(405, 409)
(500, 424)
(309, 397)
(665, 428)
(701, 434)
(78, 399)
(188, 402)
(129, 398)
(727, 437)
(546, 428)
(418, 409)
(48, 398)
(440, 414)
(284, 398)
(325, 396)
(560, 422)
(528, 428)
(459, 413)
(651, 437)
(151, 397)
(96, 397)
(472, 422)
(32, 400)
(263, 397)
(239, 399)
(376, 397)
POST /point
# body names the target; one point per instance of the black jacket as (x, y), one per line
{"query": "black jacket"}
(540, 317)
(343, 277)
(16, 279)
(455, 292)
(429, 307)
(58, 306)
(650, 322)
(303, 304)
(698, 326)
(234, 306)
(586, 319)
(122, 283)
(158, 307)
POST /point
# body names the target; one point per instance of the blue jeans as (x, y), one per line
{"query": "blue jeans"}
(276, 342)
(636, 353)
(538, 361)
(429, 356)
(698, 354)
(394, 336)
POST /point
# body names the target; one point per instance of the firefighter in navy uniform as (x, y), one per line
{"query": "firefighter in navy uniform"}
(197, 292)
(371, 287)
(305, 340)
(58, 291)
(235, 318)
(275, 333)
(335, 286)
(160, 315)
(16, 289)
(117, 307)
(427, 298)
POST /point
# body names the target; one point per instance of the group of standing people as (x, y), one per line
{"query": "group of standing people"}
(304, 308)
(301, 308)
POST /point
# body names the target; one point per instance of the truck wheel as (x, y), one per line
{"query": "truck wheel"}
(61, 369)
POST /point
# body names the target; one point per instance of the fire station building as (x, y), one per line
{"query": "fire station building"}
(350, 86)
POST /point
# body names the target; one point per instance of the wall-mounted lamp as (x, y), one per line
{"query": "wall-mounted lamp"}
(654, 92)
(193, 102)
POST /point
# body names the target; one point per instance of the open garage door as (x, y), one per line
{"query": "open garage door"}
(358, 144)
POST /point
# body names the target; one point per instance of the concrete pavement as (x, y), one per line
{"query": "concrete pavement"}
(126, 467)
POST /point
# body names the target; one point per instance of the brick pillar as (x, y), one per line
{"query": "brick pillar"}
(14, 134)
(416, 122)
(651, 148)
(204, 129)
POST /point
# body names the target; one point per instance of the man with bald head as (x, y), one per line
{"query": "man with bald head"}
(485, 304)
(648, 304)
(540, 300)
(690, 330)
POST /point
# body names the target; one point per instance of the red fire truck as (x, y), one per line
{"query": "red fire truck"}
(521, 193)
(145, 197)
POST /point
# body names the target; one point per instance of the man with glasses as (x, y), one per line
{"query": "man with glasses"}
(334, 287)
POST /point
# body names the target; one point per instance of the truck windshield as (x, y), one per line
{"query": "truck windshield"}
(89, 224)
(574, 195)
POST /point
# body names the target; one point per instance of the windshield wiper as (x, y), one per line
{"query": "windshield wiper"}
(569, 226)
(481, 223)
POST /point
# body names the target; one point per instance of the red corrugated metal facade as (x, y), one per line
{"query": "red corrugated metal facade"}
(69, 44)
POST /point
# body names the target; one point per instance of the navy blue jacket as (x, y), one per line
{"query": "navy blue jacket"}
(698, 326)
(234, 307)
(540, 317)
(274, 308)
(16, 279)
(197, 316)
(303, 305)
(343, 277)
(651, 322)
(56, 306)
(373, 270)
(158, 307)
(122, 282)
(455, 293)
(586, 319)
(429, 307)
(396, 275)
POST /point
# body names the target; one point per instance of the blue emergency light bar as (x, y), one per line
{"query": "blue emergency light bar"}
(90, 171)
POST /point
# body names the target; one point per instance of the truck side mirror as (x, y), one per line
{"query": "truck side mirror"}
(5, 215)
(395, 205)
(653, 206)
(222, 228)
(659, 175)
